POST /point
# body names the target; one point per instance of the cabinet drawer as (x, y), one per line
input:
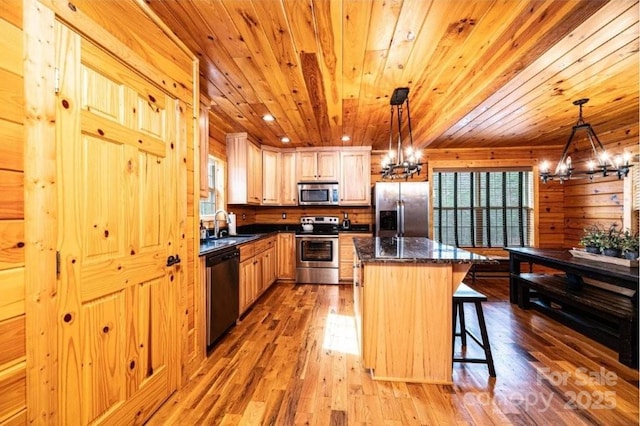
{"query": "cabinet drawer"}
(247, 251)
(264, 244)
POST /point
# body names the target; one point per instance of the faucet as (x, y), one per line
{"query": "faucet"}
(216, 226)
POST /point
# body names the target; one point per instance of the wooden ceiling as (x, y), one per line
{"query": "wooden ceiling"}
(481, 73)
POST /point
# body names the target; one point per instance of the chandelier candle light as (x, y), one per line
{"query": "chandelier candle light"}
(398, 164)
(605, 165)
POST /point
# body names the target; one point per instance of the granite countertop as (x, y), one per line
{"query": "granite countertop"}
(254, 232)
(412, 250)
(212, 245)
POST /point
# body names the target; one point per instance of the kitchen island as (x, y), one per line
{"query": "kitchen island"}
(403, 289)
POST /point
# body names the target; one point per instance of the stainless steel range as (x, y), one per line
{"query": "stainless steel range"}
(317, 250)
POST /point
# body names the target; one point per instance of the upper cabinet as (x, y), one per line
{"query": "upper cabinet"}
(279, 184)
(317, 165)
(355, 177)
(271, 177)
(244, 170)
(289, 180)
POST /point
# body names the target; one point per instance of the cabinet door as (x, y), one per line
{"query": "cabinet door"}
(328, 165)
(355, 178)
(254, 175)
(288, 179)
(345, 241)
(268, 265)
(237, 165)
(306, 166)
(246, 284)
(286, 256)
(271, 173)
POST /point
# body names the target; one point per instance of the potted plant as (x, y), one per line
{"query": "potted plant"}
(630, 245)
(612, 242)
(592, 239)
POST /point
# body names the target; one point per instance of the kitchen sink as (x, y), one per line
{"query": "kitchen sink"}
(227, 241)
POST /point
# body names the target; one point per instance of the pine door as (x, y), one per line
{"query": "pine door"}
(118, 170)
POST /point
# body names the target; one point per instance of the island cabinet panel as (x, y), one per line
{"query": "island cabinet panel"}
(406, 327)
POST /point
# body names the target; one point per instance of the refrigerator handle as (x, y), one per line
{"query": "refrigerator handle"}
(402, 213)
(399, 218)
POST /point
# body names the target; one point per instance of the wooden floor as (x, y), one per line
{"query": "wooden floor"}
(293, 360)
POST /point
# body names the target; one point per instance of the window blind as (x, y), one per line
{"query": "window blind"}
(483, 208)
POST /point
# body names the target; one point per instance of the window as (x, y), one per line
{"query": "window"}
(483, 208)
(215, 200)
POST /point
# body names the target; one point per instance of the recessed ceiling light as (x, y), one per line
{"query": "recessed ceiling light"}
(285, 139)
(346, 138)
(268, 117)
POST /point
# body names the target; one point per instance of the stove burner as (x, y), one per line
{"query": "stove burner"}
(322, 225)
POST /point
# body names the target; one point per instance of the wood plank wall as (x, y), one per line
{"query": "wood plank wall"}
(12, 302)
(600, 202)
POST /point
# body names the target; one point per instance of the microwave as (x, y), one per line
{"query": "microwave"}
(318, 193)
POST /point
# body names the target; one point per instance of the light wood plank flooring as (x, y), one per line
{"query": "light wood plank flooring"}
(293, 360)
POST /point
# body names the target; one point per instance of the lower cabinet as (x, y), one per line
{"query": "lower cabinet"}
(286, 256)
(345, 243)
(257, 270)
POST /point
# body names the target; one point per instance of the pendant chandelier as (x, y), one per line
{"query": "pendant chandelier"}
(399, 163)
(602, 164)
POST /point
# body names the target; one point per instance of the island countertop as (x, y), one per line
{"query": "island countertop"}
(412, 250)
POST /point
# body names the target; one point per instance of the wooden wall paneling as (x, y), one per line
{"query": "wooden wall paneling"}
(12, 148)
(12, 286)
(11, 244)
(12, 95)
(41, 224)
(273, 215)
(13, 382)
(11, 12)
(12, 190)
(11, 47)
(13, 338)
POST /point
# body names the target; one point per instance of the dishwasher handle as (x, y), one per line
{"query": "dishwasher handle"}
(223, 257)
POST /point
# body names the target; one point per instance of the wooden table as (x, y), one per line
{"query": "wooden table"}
(605, 312)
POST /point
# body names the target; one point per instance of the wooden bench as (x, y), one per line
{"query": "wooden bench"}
(500, 269)
(609, 317)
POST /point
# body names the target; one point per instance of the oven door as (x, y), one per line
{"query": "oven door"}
(317, 251)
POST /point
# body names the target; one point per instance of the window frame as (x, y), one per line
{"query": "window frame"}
(498, 165)
(217, 190)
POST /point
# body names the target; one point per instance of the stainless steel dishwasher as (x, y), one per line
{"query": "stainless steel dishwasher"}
(222, 292)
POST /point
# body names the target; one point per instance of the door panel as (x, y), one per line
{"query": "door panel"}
(117, 138)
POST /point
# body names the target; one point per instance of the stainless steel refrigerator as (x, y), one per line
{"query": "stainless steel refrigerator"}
(402, 209)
